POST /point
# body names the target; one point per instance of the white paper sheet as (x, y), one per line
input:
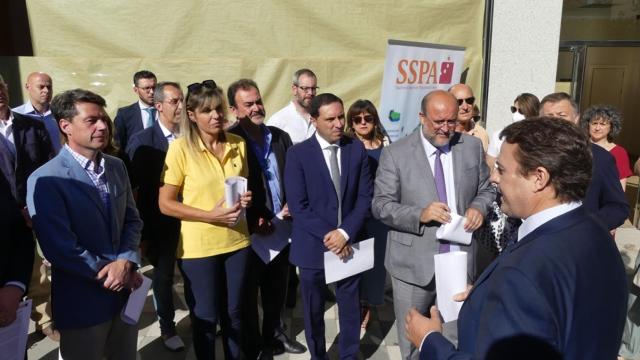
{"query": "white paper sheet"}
(454, 231)
(361, 260)
(267, 247)
(234, 186)
(133, 308)
(451, 279)
(13, 338)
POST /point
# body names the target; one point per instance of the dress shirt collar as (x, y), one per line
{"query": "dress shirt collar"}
(143, 105)
(540, 218)
(29, 109)
(87, 164)
(324, 144)
(5, 123)
(429, 148)
(166, 132)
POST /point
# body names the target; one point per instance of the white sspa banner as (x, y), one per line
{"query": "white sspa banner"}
(412, 70)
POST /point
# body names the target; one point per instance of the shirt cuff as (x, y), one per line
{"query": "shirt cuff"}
(344, 233)
(425, 338)
(17, 284)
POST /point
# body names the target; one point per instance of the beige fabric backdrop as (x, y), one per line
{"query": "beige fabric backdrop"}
(100, 44)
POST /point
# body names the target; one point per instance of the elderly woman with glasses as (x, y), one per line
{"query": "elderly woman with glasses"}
(603, 124)
(363, 124)
(214, 238)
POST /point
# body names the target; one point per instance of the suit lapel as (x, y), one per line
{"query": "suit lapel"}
(345, 161)
(458, 172)
(318, 158)
(160, 139)
(115, 188)
(421, 162)
(76, 172)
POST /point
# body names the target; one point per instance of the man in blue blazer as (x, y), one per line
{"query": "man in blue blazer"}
(88, 227)
(141, 114)
(147, 151)
(559, 291)
(605, 197)
(329, 193)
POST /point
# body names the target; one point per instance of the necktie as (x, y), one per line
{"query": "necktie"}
(335, 177)
(442, 192)
(152, 116)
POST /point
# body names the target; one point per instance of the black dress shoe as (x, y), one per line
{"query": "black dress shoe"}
(277, 347)
(293, 347)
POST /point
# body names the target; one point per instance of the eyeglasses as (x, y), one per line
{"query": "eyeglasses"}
(440, 123)
(514, 109)
(209, 84)
(358, 119)
(312, 89)
(146, 88)
(599, 123)
(174, 102)
(469, 101)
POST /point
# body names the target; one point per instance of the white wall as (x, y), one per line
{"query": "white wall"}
(524, 54)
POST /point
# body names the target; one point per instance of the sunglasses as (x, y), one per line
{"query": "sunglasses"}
(514, 110)
(469, 101)
(209, 84)
(358, 119)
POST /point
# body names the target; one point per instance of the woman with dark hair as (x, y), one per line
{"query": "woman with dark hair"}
(363, 124)
(604, 123)
(214, 238)
(524, 106)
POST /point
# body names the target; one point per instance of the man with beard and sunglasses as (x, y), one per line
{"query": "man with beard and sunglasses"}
(447, 174)
(266, 151)
(466, 124)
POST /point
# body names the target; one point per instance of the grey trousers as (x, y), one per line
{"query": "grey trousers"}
(406, 296)
(111, 340)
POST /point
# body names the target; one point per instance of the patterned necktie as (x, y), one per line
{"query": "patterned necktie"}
(152, 116)
(335, 177)
(442, 192)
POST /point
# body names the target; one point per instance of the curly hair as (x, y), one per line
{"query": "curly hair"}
(606, 113)
(558, 146)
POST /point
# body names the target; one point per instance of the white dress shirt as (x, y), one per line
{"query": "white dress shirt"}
(145, 114)
(540, 218)
(326, 153)
(167, 133)
(298, 127)
(446, 158)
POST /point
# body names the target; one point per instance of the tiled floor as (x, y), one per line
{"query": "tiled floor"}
(378, 342)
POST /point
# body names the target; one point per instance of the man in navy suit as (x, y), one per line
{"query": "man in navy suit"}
(560, 291)
(605, 197)
(88, 227)
(329, 193)
(139, 115)
(147, 151)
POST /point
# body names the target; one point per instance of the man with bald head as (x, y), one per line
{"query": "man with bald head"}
(466, 124)
(421, 180)
(39, 87)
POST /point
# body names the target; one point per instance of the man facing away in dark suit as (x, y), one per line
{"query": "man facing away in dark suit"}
(605, 197)
(329, 195)
(266, 151)
(559, 291)
(88, 227)
(25, 146)
(139, 115)
(146, 151)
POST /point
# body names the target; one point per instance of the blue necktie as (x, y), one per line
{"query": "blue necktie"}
(152, 116)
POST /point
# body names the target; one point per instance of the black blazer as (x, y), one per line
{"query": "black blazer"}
(128, 122)
(16, 243)
(147, 150)
(33, 149)
(261, 202)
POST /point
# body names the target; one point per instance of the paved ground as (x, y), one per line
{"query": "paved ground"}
(378, 342)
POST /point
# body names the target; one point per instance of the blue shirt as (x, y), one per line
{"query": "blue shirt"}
(269, 166)
(49, 123)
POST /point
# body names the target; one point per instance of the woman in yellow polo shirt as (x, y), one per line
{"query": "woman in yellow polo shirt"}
(214, 238)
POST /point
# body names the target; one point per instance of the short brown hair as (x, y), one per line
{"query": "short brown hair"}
(558, 146)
